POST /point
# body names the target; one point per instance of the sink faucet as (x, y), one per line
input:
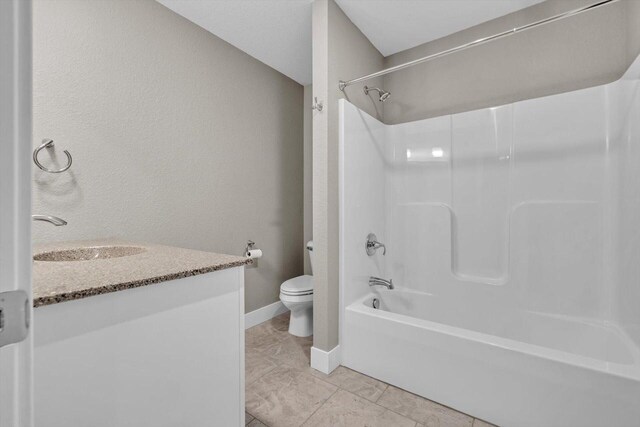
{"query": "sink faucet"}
(49, 218)
(376, 281)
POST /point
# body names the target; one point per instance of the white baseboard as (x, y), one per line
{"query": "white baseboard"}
(263, 314)
(325, 361)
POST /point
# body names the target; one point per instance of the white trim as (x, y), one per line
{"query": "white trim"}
(325, 361)
(241, 343)
(263, 314)
(16, 371)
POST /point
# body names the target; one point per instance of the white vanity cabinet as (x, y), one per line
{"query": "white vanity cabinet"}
(167, 354)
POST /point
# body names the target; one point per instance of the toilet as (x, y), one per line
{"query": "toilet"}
(297, 295)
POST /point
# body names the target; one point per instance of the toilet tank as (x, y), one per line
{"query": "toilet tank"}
(310, 250)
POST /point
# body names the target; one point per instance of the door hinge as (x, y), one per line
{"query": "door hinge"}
(14, 317)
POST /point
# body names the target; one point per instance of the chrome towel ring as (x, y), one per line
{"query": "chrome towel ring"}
(48, 143)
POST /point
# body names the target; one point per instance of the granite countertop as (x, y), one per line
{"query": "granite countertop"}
(145, 264)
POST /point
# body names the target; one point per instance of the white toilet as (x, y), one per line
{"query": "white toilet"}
(297, 295)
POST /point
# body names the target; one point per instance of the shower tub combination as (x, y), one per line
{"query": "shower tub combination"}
(514, 248)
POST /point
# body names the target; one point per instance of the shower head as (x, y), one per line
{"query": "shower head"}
(383, 94)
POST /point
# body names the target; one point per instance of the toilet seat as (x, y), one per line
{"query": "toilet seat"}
(293, 300)
(298, 286)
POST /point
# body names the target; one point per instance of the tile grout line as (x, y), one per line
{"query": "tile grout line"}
(349, 391)
(432, 401)
(284, 365)
(398, 413)
(261, 352)
(253, 418)
(327, 399)
(260, 377)
(419, 422)
(386, 386)
(387, 409)
(276, 365)
(361, 397)
(323, 403)
(267, 425)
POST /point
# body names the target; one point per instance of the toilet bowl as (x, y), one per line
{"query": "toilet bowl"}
(297, 295)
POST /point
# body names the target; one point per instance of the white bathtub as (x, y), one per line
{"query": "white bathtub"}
(513, 368)
(512, 237)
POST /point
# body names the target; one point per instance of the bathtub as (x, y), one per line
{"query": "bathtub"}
(509, 367)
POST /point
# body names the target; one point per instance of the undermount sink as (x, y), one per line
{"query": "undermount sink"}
(89, 253)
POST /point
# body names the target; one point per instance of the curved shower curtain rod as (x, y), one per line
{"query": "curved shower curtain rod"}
(343, 84)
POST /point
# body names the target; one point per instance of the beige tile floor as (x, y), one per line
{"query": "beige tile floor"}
(282, 390)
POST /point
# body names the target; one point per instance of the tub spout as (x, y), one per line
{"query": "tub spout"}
(376, 281)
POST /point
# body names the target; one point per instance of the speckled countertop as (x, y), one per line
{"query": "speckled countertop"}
(145, 264)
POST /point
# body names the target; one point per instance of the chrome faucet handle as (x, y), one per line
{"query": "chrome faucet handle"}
(380, 245)
(373, 245)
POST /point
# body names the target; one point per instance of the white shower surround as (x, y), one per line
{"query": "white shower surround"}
(514, 245)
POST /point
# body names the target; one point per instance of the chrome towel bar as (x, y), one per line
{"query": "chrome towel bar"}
(48, 143)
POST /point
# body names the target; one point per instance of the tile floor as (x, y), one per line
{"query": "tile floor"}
(282, 390)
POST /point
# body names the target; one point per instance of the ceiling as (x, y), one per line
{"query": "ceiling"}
(278, 32)
(396, 25)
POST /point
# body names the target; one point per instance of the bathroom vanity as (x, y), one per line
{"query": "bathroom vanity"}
(137, 335)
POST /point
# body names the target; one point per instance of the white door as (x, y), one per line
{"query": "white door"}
(15, 214)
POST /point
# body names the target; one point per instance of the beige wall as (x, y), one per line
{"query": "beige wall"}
(590, 49)
(340, 51)
(178, 137)
(632, 12)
